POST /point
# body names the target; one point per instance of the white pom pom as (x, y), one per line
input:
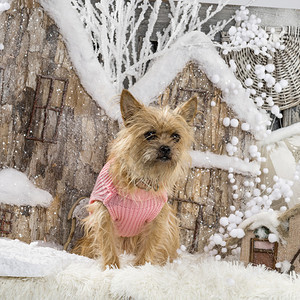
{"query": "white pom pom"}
(224, 221)
(212, 103)
(272, 238)
(277, 87)
(245, 126)
(217, 239)
(275, 110)
(232, 30)
(270, 68)
(233, 233)
(255, 209)
(256, 192)
(248, 82)
(283, 208)
(283, 83)
(226, 122)
(215, 78)
(234, 122)
(240, 233)
(234, 140)
(265, 170)
(253, 149)
(248, 214)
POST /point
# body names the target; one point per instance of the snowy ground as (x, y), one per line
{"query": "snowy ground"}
(55, 274)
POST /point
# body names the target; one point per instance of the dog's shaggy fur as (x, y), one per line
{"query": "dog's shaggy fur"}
(150, 153)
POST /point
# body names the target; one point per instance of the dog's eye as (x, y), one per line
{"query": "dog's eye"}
(150, 135)
(176, 137)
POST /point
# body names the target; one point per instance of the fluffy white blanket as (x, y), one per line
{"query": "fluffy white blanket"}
(191, 277)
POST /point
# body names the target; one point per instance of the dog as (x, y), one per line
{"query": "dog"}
(128, 209)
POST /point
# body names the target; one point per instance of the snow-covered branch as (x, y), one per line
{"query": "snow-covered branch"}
(122, 51)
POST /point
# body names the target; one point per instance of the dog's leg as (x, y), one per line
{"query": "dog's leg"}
(99, 238)
(159, 240)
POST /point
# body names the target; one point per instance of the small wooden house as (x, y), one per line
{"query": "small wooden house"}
(257, 249)
(53, 131)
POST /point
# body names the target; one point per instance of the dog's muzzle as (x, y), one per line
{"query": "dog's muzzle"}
(164, 153)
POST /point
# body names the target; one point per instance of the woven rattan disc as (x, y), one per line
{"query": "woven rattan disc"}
(287, 66)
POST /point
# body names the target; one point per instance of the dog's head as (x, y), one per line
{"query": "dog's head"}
(153, 145)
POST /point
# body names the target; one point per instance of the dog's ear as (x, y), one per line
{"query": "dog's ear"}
(129, 106)
(188, 110)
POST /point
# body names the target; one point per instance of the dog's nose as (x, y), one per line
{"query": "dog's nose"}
(165, 150)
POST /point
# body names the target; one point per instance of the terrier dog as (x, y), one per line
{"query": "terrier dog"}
(128, 206)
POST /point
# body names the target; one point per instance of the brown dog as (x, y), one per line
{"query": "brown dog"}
(128, 206)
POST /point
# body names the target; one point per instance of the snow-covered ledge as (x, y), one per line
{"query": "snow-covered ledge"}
(281, 134)
(211, 160)
(17, 189)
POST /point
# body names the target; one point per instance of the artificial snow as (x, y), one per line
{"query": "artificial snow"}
(226, 121)
(281, 134)
(197, 47)
(80, 48)
(268, 219)
(272, 238)
(17, 189)
(190, 277)
(224, 162)
(19, 259)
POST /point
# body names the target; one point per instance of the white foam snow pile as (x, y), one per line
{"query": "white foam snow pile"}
(191, 277)
(17, 189)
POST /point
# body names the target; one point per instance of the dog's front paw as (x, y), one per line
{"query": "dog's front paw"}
(112, 264)
(140, 261)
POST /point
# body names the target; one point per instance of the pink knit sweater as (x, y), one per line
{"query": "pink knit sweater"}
(129, 213)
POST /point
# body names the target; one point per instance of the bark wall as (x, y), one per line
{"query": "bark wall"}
(69, 167)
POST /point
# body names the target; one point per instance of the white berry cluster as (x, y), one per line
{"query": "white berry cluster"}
(248, 33)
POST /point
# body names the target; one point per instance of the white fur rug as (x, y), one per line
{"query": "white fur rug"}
(192, 277)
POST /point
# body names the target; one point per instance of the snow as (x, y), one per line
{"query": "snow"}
(268, 219)
(19, 259)
(281, 134)
(224, 162)
(272, 238)
(68, 276)
(91, 74)
(17, 189)
(226, 121)
(197, 47)
(113, 29)
(248, 82)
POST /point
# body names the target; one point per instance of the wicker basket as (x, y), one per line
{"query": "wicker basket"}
(287, 66)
